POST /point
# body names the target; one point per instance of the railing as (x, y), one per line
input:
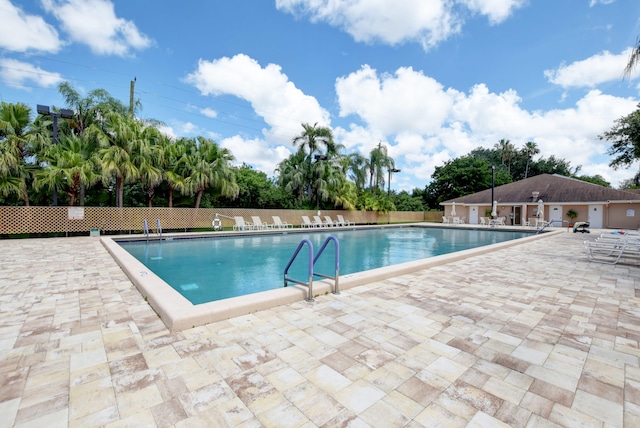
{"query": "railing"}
(308, 284)
(336, 289)
(312, 263)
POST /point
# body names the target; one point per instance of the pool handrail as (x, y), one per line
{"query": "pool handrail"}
(309, 284)
(336, 288)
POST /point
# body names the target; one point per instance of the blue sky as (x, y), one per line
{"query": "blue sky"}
(431, 79)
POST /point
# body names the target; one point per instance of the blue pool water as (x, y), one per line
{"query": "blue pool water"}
(208, 269)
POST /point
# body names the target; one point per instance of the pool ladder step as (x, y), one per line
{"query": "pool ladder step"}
(311, 263)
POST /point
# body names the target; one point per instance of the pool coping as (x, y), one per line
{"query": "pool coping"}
(178, 313)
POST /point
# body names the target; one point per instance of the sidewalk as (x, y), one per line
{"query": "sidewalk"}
(532, 335)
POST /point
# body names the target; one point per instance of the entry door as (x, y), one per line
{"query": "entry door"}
(595, 216)
(473, 215)
(555, 213)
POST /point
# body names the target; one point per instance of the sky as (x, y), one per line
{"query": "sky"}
(430, 79)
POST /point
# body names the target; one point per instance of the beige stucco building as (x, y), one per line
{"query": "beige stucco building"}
(602, 207)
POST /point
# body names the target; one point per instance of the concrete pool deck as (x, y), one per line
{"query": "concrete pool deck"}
(529, 335)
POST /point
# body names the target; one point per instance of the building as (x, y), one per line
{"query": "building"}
(602, 207)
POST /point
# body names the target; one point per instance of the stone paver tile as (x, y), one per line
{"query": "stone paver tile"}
(130, 402)
(599, 408)
(8, 410)
(284, 415)
(446, 369)
(482, 420)
(382, 413)
(327, 379)
(58, 419)
(168, 413)
(405, 405)
(419, 391)
(553, 377)
(474, 397)
(504, 390)
(161, 356)
(285, 379)
(91, 398)
(143, 418)
(358, 396)
(437, 416)
(567, 417)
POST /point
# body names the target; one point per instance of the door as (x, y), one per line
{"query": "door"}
(555, 216)
(595, 216)
(473, 215)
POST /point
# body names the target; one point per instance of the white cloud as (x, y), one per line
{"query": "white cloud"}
(595, 2)
(428, 22)
(496, 10)
(209, 112)
(590, 72)
(405, 101)
(256, 152)
(20, 74)
(269, 91)
(22, 32)
(94, 23)
(437, 124)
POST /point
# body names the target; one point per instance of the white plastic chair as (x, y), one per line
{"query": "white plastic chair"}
(306, 222)
(279, 224)
(344, 222)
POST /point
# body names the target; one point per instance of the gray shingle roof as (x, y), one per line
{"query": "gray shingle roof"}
(552, 189)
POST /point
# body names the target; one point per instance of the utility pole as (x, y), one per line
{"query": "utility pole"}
(131, 100)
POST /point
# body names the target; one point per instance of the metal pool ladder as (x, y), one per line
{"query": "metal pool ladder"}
(311, 263)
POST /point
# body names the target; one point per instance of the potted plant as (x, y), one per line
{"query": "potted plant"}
(572, 214)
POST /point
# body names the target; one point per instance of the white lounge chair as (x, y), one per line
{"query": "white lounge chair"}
(318, 221)
(258, 224)
(344, 222)
(329, 221)
(241, 224)
(483, 221)
(610, 251)
(306, 222)
(279, 224)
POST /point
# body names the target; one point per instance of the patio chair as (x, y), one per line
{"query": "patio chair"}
(344, 222)
(610, 251)
(258, 224)
(306, 222)
(483, 221)
(445, 220)
(241, 224)
(318, 221)
(329, 221)
(279, 224)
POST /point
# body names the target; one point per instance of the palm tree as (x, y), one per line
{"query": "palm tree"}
(209, 166)
(70, 165)
(530, 149)
(171, 170)
(293, 173)
(357, 164)
(379, 161)
(507, 151)
(121, 138)
(14, 172)
(312, 140)
(634, 59)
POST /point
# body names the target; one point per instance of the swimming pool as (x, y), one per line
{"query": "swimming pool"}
(208, 269)
(178, 313)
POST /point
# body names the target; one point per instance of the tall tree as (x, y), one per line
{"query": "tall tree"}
(121, 138)
(530, 150)
(209, 167)
(14, 173)
(507, 152)
(70, 165)
(634, 59)
(624, 137)
(312, 141)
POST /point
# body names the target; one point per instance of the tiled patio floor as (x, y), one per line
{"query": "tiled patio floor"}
(532, 335)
